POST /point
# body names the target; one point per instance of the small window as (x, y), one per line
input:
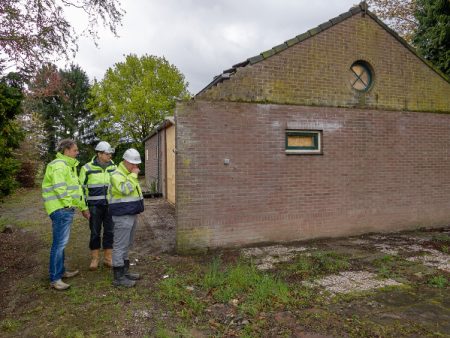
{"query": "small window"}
(361, 76)
(303, 142)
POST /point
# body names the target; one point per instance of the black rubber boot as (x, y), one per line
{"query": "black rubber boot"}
(128, 274)
(120, 279)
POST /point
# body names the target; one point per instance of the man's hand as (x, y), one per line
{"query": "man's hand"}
(86, 214)
(135, 170)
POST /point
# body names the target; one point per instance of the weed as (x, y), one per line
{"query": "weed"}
(256, 290)
(319, 264)
(162, 332)
(388, 266)
(214, 278)
(438, 281)
(173, 292)
(305, 297)
(441, 238)
(10, 325)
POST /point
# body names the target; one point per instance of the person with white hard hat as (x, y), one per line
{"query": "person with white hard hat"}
(125, 203)
(95, 176)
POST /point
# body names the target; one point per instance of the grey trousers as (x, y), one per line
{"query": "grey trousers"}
(124, 229)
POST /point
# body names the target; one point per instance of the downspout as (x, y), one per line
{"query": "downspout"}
(158, 161)
(165, 163)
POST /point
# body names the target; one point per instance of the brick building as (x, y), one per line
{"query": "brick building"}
(341, 130)
(160, 160)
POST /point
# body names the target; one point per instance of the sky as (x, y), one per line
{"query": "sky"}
(202, 37)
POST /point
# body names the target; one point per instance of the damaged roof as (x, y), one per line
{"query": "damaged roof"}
(361, 8)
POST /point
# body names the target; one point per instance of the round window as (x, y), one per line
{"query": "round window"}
(360, 76)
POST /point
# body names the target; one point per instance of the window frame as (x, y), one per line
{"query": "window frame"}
(314, 150)
(370, 74)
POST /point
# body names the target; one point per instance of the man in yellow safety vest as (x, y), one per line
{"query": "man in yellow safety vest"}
(62, 193)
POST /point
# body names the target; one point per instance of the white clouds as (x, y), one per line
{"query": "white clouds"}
(202, 38)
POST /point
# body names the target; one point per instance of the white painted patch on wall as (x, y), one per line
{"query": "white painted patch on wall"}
(315, 125)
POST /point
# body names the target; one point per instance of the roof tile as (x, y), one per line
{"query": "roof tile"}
(255, 59)
(315, 30)
(325, 25)
(280, 48)
(292, 41)
(268, 53)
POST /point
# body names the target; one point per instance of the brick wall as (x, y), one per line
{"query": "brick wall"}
(154, 168)
(380, 171)
(316, 72)
(385, 163)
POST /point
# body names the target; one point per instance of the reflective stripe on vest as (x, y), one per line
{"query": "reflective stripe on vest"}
(62, 184)
(125, 199)
(55, 197)
(95, 198)
(97, 185)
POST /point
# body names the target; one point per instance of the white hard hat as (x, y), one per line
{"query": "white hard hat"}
(132, 156)
(105, 147)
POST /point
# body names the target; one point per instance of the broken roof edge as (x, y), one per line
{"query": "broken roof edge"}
(362, 7)
(168, 121)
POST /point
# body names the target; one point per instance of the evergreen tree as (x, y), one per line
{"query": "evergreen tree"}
(11, 95)
(432, 37)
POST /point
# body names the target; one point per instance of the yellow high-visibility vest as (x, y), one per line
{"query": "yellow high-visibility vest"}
(61, 187)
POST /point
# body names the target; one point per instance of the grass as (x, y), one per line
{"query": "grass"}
(391, 266)
(253, 290)
(438, 281)
(442, 242)
(10, 325)
(189, 298)
(318, 264)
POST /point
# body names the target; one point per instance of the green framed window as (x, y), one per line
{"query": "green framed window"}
(303, 142)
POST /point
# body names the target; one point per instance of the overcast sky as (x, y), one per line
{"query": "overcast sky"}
(203, 37)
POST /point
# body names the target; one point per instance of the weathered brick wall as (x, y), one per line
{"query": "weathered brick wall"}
(316, 72)
(152, 172)
(380, 171)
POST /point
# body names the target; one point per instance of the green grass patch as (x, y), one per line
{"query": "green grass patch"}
(442, 242)
(254, 290)
(391, 266)
(438, 281)
(173, 291)
(10, 325)
(441, 238)
(318, 264)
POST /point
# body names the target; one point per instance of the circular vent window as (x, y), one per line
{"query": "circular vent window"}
(361, 76)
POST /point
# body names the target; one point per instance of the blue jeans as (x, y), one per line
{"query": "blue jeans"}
(61, 223)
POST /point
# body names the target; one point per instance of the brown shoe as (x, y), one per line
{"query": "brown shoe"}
(59, 285)
(94, 260)
(70, 274)
(107, 258)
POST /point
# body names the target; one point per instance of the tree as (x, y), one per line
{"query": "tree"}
(399, 14)
(60, 97)
(11, 95)
(33, 32)
(134, 96)
(432, 36)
